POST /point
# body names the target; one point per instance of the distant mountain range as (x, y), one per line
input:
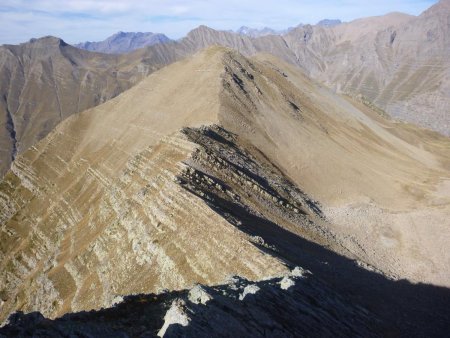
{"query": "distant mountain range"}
(45, 80)
(124, 42)
(256, 32)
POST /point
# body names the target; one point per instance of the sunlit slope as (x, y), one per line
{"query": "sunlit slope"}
(93, 211)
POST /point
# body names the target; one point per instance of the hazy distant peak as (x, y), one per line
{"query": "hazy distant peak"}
(398, 15)
(124, 42)
(133, 34)
(255, 32)
(202, 28)
(329, 22)
(121, 34)
(295, 27)
(355, 29)
(442, 3)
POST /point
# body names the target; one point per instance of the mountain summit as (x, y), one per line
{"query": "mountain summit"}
(329, 22)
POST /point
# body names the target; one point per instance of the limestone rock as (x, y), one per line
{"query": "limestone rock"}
(175, 315)
(198, 295)
(249, 290)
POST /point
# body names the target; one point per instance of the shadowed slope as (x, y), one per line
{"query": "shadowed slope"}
(294, 305)
(332, 301)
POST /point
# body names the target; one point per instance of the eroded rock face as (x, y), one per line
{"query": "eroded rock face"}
(95, 211)
(142, 232)
(347, 156)
(221, 171)
(145, 231)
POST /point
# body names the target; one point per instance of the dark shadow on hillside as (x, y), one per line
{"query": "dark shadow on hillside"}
(140, 315)
(406, 309)
(240, 308)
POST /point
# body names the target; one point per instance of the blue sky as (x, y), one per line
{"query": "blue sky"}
(89, 20)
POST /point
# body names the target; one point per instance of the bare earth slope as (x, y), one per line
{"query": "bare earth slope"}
(356, 163)
(134, 196)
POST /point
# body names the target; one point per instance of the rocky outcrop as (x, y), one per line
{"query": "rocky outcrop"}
(229, 177)
(329, 22)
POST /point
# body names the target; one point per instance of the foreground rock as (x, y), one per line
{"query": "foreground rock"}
(308, 307)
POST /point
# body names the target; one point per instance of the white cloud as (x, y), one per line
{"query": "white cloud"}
(80, 20)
